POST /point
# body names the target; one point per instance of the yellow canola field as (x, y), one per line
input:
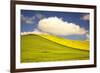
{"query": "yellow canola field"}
(79, 44)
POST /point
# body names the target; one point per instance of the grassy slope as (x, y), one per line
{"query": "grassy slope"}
(38, 49)
(84, 45)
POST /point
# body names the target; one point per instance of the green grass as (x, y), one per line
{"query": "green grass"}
(35, 48)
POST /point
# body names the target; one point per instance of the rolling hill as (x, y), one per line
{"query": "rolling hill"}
(79, 44)
(41, 48)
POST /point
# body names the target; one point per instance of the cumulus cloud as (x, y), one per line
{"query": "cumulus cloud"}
(40, 16)
(36, 31)
(56, 26)
(86, 17)
(32, 32)
(88, 36)
(26, 33)
(27, 20)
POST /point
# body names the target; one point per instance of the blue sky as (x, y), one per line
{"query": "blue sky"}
(30, 19)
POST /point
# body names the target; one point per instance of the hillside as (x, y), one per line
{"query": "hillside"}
(79, 44)
(36, 48)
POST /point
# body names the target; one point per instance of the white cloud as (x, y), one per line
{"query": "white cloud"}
(27, 20)
(86, 17)
(36, 31)
(40, 16)
(57, 26)
(26, 33)
(88, 36)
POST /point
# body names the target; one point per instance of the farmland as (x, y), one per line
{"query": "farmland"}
(44, 48)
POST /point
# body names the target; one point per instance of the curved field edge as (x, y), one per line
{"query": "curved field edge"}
(79, 44)
(37, 49)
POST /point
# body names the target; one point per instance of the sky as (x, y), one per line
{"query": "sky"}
(31, 20)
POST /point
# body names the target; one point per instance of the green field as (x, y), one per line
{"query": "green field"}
(36, 48)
